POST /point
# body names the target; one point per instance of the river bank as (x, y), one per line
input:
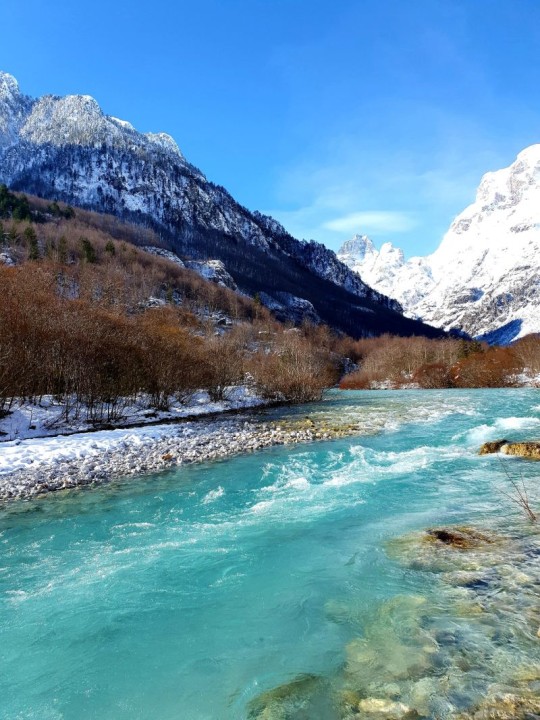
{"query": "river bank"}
(35, 466)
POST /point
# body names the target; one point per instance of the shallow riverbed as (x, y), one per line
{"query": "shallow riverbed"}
(191, 593)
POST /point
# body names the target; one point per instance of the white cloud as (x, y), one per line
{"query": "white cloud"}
(373, 221)
(405, 193)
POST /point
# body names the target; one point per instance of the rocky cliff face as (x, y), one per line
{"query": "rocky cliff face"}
(66, 148)
(484, 278)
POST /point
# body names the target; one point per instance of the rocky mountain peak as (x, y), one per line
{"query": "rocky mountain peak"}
(8, 85)
(358, 247)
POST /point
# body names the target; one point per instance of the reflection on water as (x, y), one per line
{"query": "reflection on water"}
(294, 583)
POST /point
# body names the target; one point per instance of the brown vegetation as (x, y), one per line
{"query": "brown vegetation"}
(94, 321)
(397, 362)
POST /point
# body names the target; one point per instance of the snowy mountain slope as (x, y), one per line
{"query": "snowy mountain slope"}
(68, 149)
(484, 278)
(387, 271)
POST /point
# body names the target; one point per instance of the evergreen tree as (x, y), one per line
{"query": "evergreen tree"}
(88, 250)
(30, 238)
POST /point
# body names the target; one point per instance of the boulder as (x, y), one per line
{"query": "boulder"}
(530, 450)
(488, 448)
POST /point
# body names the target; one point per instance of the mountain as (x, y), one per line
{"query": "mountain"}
(387, 271)
(484, 278)
(67, 148)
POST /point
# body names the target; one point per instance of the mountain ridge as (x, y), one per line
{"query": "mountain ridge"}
(68, 149)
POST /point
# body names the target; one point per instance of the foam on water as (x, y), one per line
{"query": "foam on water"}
(495, 430)
(213, 495)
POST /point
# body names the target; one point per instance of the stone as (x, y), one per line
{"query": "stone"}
(302, 697)
(505, 707)
(463, 538)
(529, 450)
(383, 708)
(492, 447)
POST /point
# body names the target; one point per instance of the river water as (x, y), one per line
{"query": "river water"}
(194, 593)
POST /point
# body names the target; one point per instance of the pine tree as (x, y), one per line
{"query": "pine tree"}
(30, 238)
(88, 250)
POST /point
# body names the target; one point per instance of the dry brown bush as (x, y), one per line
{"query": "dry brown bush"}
(527, 351)
(294, 369)
(494, 367)
(434, 363)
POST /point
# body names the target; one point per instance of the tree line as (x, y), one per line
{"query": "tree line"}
(447, 363)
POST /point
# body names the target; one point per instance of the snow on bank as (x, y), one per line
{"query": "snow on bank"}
(34, 462)
(29, 420)
(34, 452)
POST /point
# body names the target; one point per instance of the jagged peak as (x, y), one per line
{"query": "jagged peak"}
(71, 119)
(8, 84)
(359, 246)
(387, 250)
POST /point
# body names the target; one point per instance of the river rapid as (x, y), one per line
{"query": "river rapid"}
(292, 583)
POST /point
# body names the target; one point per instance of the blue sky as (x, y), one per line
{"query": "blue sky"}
(371, 116)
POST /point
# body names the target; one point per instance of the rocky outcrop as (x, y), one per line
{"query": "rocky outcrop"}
(529, 449)
(213, 270)
(488, 448)
(289, 308)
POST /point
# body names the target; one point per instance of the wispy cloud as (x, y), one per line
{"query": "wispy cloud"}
(373, 221)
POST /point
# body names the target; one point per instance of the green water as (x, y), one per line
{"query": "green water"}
(187, 594)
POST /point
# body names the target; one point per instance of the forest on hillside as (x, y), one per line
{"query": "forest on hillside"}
(94, 321)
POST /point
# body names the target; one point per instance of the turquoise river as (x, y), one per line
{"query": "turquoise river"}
(289, 583)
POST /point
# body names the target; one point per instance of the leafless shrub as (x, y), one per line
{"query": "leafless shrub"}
(518, 494)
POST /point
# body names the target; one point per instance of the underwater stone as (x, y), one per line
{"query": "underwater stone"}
(459, 537)
(506, 707)
(301, 698)
(383, 708)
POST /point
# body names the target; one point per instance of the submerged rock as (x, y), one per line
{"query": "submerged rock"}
(380, 708)
(530, 449)
(464, 538)
(505, 707)
(303, 698)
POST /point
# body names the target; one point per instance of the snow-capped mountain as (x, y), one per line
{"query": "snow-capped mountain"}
(387, 271)
(484, 278)
(66, 148)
